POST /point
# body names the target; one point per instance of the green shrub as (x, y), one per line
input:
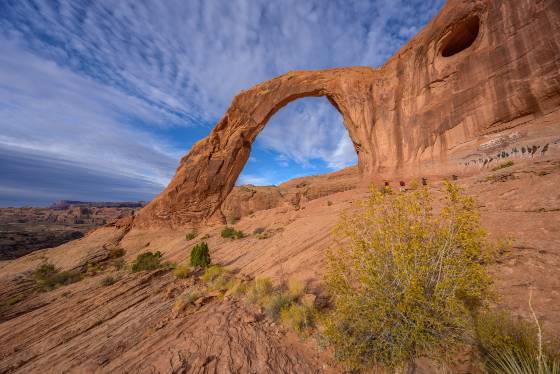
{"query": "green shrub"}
(182, 271)
(230, 232)
(44, 272)
(297, 317)
(47, 277)
(200, 256)
(503, 166)
(107, 281)
(146, 261)
(274, 304)
(512, 345)
(191, 235)
(407, 281)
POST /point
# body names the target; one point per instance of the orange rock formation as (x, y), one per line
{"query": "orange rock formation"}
(467, 86)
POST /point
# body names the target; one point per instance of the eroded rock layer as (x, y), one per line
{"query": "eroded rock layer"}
(481, 78)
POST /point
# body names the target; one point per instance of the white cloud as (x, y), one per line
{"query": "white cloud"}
(51, 110)
(308, 130)
(257, 180)
(107, 82)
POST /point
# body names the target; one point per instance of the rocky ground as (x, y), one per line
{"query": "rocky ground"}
(130, 326)
(24, 230)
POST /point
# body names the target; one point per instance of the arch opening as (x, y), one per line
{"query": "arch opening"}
(462, 37)
(304, 137)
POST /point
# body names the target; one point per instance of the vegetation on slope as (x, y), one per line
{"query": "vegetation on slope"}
(408, 281)
(200, 256)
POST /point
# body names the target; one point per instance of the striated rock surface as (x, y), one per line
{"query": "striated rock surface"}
(131, 325)
(472, 83)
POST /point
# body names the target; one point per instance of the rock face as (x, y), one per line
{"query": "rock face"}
(471, 83)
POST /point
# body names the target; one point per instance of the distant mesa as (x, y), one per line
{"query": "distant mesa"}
(65, 204)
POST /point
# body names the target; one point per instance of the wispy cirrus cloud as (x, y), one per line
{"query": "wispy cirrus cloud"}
(127, 86)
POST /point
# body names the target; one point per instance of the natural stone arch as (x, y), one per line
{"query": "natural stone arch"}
(466, 81)
(207, 174)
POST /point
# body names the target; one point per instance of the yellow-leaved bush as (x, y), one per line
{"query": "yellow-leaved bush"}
(406, 279)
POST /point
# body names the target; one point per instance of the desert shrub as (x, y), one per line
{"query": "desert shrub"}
(212, 273)
(407, 281)
(514, 346)
(239, 288)
(116, 252)
(233, 220)
(503, 165)
(258, 290)
(191, 235)
(296, 288)
(107, 281)
(200, 256)
(329, 203)
(44, 272)
(186, 299)
(259, 230)
(230, 232)
(147, 261)
(93, 269)
(17, 298)
(263, 233)
(182, 271)
(47, 277)
(297, 317)
(218, 278)
(274, 304)
(118, 263)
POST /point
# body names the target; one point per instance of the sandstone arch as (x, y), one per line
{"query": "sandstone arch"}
(208, 173)
(480, 75)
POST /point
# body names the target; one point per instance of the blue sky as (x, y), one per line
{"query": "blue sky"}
(99, 99)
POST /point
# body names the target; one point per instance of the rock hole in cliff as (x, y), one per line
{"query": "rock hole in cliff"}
(462, 37)
(306, 137)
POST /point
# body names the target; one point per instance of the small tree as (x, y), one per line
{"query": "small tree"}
(147, 261)
(407, 280)
(200, 256)
(230, 232)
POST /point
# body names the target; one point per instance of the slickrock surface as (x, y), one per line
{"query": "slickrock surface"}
(479, 78)
(130, 326)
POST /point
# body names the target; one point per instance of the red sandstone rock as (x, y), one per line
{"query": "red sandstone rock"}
(479, 69)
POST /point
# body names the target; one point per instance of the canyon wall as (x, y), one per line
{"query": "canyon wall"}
(480, 77)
